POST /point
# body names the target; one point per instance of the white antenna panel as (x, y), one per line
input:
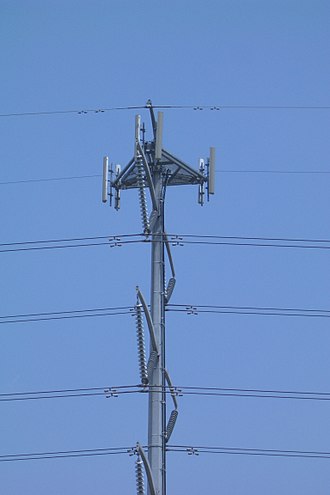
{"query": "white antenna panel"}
(159, 136)
(105, 179)
(137, 127)
(211, 170)
(137, 134)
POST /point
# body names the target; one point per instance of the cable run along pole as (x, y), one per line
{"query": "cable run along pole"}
(155, 169)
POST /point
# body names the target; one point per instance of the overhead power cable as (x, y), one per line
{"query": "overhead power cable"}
(189, 309)
(93, 176)
(48, 179)
(33, 456)
(168, 107)
(74, 242)
(107, 392)
(181, 240)
(248, 451)
(174, 239)
(177, 390)
(248, 310)
(188, 449)
(65, 315)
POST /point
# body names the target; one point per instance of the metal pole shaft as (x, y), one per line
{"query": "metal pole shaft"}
(157, 406)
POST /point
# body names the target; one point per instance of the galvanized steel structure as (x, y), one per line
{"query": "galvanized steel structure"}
(155, 169)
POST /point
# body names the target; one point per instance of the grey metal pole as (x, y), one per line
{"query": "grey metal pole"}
(157, 406)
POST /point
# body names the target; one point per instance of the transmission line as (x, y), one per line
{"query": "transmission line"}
(189, 309)
(77, 177)
(64, 454)
(248, 310)
(168, 107)
(188, 449)
(177, 390)
(248, 451)
(174, 239)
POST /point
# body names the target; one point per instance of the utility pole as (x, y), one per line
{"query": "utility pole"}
(154, 168)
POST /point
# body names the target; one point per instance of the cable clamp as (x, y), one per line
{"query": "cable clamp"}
(115, 241)
(176, 240)
(110, 392)
(192, 451)
(192, 310)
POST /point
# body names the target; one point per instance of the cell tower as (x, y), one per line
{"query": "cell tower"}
(154, 168)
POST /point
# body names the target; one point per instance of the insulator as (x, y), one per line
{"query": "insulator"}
(169, 289)
(171, 423)
(139, 477)
(142, 197)
(151, 363)
(141, 346)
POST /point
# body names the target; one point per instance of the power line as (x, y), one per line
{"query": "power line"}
(273, 171)
(174, 239)
(215, 236)
(181, 243)
(68, 317)
(70, 239)
(69, 312)
(49, 179)
(253, 311)
(188, 449)
(248, 244)
(181, 308)
(76, 177)
(64, 454)
(260, 308)
(248, 451)
(177, 390)
(168, 107)
(67, 112)
(40, 245)
(69, 390)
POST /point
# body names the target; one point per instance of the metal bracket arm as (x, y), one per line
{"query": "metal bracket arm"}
(169, 254)
(172, 392)
(149, 320)
(183, 165)
(123, 173)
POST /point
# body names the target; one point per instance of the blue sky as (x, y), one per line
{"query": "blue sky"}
(64, 55)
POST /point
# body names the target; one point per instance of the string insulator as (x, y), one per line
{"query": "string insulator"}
(142, 197)
(141, 345)
(171, 423)
(139, 477)
(151, 363)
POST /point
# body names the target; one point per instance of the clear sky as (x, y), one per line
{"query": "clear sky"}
(80, 55)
